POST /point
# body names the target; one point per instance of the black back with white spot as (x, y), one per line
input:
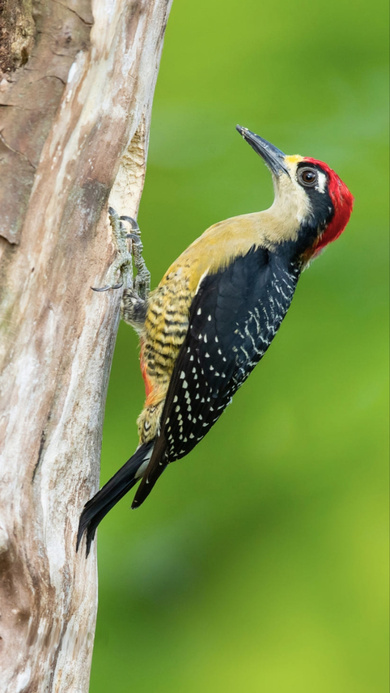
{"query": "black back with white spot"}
(234, 317)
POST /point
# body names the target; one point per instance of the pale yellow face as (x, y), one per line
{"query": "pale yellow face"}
(291, 205)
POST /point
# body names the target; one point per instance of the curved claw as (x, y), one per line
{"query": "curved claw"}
(106, 288)
(133, 223)
(134, 237)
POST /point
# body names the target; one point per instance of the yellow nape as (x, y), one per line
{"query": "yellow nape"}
(294, 158)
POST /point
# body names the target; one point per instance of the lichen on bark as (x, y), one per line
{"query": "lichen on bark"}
(17, 32)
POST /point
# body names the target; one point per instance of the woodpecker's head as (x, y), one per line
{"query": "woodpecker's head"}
(312, 205)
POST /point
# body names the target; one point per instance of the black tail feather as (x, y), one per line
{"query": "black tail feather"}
(110, 494)
(157, 464)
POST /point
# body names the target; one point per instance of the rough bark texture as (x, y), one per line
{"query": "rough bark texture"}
(76, 91)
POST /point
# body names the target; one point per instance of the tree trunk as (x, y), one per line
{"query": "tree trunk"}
(76, 91)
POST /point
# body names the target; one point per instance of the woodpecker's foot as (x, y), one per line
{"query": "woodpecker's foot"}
(134, 299)
(122, 268)
(142, 279)
(135, 293)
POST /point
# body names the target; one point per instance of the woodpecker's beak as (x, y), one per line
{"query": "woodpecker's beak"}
(273, 157)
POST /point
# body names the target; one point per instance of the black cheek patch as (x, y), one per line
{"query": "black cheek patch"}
(321, 204)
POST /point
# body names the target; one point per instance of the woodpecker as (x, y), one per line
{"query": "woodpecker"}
(215, 313)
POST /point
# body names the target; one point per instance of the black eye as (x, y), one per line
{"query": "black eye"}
(307, 176)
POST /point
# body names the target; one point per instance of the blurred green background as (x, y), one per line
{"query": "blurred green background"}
(259, 562)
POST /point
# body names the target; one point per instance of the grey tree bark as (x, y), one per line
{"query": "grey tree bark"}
(76, 91)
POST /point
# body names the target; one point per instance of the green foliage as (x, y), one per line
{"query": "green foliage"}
(258, 563)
